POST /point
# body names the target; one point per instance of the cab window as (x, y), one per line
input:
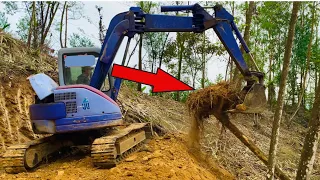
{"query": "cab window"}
(79, 68)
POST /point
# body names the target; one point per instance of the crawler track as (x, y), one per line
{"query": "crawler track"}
(23, 157)
(108, 151)
(13, 159)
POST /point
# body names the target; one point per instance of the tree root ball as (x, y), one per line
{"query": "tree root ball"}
(212, 100)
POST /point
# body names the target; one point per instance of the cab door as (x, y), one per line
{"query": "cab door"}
(76, 66)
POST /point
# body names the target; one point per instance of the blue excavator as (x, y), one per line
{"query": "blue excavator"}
(82, 110)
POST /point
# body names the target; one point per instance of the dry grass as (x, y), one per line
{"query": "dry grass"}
(18, 59)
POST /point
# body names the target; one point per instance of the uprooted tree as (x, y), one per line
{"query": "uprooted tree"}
(216, 100)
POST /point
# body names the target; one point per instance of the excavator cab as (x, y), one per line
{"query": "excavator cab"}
(76, 66)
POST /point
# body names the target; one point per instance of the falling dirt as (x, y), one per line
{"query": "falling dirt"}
(214, 99)
(162, 158)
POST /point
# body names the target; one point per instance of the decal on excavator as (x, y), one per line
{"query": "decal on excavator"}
(85, 104)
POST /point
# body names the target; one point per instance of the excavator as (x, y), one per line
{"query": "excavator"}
(86, 113)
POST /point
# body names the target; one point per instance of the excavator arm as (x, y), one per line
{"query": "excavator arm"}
(135, 21)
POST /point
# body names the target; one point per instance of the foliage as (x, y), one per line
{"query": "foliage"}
(4, 24)
(11, 7)
(155, 42)
(219, 78)
(77, 40)
(22, 28)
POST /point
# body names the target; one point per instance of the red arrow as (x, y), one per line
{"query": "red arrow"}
(161, 81)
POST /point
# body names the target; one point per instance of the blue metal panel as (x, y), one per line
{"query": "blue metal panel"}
(47, 111)
(225, 34)
(87, 126)
(65, 125)
(87, 119)
(164, 23)
(176, 8)
(114, 41)
(101, 69)
(236, 30)
(116, 88)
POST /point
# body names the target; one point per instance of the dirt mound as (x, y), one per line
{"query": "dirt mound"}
(15, 99)
(162, 158)
(17, 63)
(212, 100)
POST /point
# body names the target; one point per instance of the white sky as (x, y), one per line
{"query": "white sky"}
(110, 9)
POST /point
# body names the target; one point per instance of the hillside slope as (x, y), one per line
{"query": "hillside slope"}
(164, 157)
(171, 154)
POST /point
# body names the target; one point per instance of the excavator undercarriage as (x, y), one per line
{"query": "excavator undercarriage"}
(106, 150)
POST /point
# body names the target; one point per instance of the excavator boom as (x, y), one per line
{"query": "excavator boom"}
(135, 21)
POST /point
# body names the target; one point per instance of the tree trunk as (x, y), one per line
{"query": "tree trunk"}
(31, 23)
(35, 41)
(47, 28)
(61, 23)
(303, 86)
(293, 85)
(43, 25)
(224, 119)
(231, 68)
(246, 36)
(282, 88)
(180, 53)
(101, 30)
(203, 62)
(66, 30)
(226, 74)
(132, 52)
(140, 60)
(162, 52)
(316, 79)
(269, 81)
(311, 141)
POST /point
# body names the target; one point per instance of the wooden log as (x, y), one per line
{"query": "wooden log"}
(224, 119)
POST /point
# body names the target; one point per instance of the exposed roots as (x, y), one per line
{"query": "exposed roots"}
(212, 100)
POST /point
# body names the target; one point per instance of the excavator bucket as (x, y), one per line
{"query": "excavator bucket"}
(255, 99)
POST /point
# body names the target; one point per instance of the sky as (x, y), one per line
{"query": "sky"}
(216, 65)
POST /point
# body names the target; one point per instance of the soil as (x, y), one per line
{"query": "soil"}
(162, 158)
(15, 97)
